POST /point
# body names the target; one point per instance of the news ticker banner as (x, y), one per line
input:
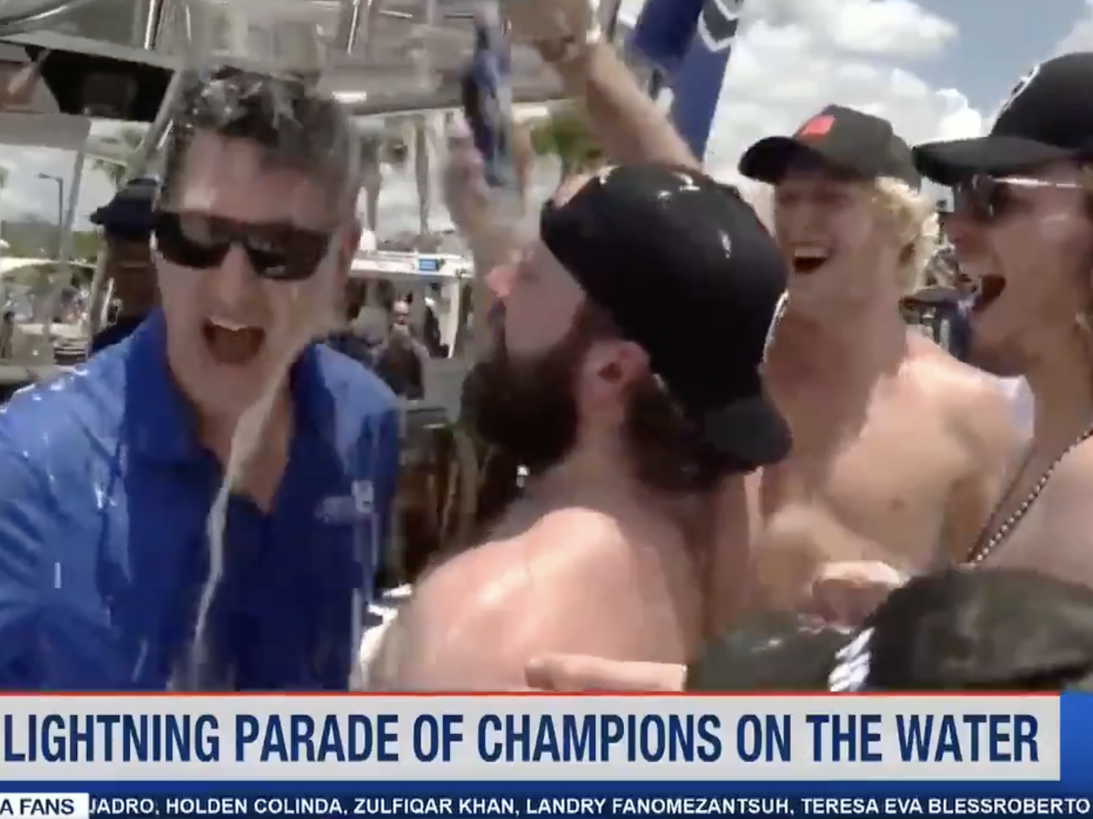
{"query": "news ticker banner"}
(524, 756)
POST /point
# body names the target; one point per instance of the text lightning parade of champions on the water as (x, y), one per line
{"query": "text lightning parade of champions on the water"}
(444, 757)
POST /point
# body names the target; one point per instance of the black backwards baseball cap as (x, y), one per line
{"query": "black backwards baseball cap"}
(958, 630)
(129, 214)
(687, 271)
(1048, 117)
(858, 144)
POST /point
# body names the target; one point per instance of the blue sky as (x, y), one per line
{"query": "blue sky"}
(998, 41)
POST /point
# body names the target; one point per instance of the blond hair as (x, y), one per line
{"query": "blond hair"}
(916, 220)
(914, 215)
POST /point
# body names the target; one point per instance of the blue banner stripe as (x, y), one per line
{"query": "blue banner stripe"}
(697, 84)
(1076, 738)
(563, 789)
(696, 89)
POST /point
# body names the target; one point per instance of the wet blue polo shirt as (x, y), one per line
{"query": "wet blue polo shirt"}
(104, 495)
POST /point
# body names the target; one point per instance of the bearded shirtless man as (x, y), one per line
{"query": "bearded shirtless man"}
(898, 448)
(600, 380)
(1023, 229)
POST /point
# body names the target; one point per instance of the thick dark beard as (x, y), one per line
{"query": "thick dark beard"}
(527, 406)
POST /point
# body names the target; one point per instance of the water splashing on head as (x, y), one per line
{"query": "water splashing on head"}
(263, 247)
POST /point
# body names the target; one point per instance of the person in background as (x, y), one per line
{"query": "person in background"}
(878, 410)
(347, 340)
(430, 330)
(107, 475)
(126, 222)
(632, 440)
(400, 360)
(1022, 227)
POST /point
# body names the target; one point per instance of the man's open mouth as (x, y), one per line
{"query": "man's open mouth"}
(989, 288)
(231, 343)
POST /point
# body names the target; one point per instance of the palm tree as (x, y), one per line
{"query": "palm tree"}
(566, 136)
(115, 171)
(378, 150)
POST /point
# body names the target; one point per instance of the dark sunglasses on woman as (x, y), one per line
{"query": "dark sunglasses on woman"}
(276, 251)
(986, 198)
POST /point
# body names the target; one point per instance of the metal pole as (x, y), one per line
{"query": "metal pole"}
(73, 200)
(447, 98)
(59, 221)
(38, 18)
(354, 24)
(151, 25)
(609, 18)
(157, 131)
(60, 217)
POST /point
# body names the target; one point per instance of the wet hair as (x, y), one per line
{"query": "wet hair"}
(915, 216)
(296, 127)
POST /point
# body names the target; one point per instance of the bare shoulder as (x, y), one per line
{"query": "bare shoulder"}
(974, 405)
(502, 563)
(474, 618)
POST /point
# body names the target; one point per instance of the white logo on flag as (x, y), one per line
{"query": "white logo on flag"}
(724, 16)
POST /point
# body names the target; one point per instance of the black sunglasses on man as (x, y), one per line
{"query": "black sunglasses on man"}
(276, 251)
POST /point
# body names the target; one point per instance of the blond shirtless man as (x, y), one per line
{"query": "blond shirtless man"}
(1023, 230)
(600, 380)
(899, 448)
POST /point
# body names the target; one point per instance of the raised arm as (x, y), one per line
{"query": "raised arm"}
(627, 123)
(622, 117)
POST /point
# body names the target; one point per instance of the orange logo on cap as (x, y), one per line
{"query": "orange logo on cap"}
(817, 127)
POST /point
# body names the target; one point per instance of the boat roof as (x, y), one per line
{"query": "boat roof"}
(394, 264)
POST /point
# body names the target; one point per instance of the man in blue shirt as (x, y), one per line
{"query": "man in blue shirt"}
(107, 474)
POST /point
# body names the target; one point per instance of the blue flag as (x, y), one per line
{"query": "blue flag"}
(690, 41)
(664, 32)
(696, 83)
